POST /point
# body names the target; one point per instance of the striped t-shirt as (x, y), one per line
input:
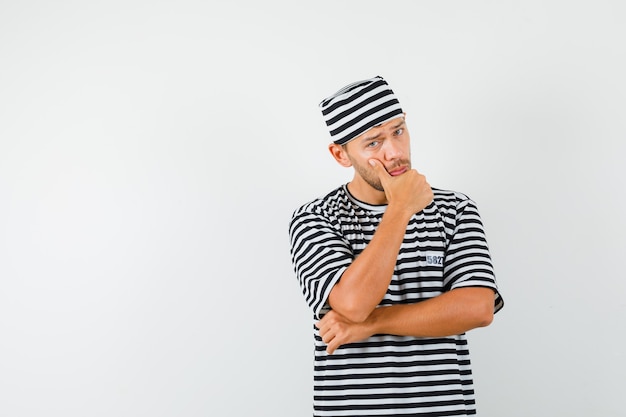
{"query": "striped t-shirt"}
(444, 247)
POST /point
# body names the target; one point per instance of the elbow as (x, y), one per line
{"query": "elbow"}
(484, 315)
(352, 308)
(480, 307)
(485, 319)
(356, 315)
(353, 311)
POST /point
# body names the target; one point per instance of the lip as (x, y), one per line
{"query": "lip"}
(398, 171)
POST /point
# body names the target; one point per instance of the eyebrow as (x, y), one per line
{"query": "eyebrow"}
(399, 124)
(368, 138)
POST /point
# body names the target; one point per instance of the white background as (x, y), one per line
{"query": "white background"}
(151, 154)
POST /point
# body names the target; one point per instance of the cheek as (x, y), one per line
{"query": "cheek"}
(367, 172)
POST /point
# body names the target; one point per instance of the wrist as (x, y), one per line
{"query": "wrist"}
(373, 321)
(399, 212)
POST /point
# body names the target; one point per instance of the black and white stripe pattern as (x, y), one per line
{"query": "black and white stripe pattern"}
(444, 248)
(358, 107)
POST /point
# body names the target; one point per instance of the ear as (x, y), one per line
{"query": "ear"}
(340, 155)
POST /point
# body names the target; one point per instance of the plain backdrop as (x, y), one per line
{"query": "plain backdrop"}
(152, 152)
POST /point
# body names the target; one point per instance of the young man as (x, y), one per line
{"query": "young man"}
(395, 272)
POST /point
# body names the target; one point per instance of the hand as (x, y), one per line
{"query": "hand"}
(336, 330)
(409, 191)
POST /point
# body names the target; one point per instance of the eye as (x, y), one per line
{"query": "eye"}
(372, 144)
(399, 131)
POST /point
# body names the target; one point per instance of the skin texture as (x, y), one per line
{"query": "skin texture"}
(381, 159)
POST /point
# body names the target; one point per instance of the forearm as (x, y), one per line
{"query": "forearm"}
(363, 285)
(451, 313)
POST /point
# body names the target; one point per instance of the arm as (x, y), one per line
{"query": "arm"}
(364, 283)
(450, 313)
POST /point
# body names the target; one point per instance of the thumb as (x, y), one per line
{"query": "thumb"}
(379, 168)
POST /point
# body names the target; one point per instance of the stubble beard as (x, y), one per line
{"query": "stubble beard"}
(370, 177)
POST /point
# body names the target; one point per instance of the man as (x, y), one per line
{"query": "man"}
(395, 272)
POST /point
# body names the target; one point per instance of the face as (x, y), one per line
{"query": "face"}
(389, 143)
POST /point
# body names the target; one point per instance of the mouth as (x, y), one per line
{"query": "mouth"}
(397, 171)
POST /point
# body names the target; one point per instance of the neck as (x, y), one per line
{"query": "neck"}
(364, 192)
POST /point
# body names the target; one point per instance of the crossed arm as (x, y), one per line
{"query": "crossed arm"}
(453, 312)
(354, 298)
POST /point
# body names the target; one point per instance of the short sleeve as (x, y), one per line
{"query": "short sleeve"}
(320, 255)
(467, 261)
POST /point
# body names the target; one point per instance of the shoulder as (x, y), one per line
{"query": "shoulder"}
(450, 198)
(332, 201)
(326, 206)
(451, 203)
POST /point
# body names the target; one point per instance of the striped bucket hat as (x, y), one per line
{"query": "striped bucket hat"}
(358, 107)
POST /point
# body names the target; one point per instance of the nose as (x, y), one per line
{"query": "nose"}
(392, 149)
